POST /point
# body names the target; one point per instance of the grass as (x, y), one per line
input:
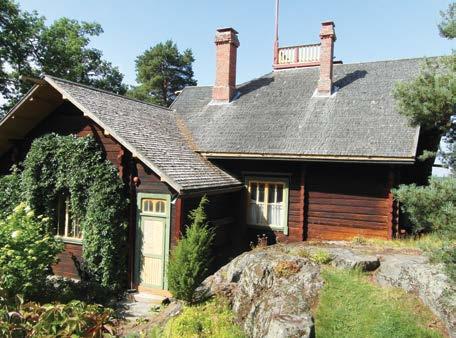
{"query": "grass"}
(350, 306)
(210, 319)
(320, 256)
(428, 242)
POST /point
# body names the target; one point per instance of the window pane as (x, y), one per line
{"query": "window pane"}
(252, 214)
(77, 230)
(148, 205)
(275, 213)
(253, 191)
(160, 207)
(261, 192)
(271, 193)
(61, 217)
(279, 193)
(260, 215)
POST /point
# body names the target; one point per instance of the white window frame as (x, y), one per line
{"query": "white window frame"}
(268, 181)
(67, 219)
(154, 202)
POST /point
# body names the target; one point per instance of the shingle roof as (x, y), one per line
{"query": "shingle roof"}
(153, 134)
(278, 114)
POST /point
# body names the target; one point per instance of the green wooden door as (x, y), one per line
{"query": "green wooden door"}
(152, 240)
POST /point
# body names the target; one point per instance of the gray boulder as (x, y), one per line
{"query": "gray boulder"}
(428, 281)
(349, 259)
(271, 293)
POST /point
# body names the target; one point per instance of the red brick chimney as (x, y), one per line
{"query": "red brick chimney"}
(327, 37)
(226, 42)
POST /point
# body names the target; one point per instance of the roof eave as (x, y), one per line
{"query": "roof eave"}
(212, 191)
(309, 158)
(19, 103)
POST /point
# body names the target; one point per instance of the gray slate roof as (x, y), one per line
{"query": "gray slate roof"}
(154, 134)
(277, 114)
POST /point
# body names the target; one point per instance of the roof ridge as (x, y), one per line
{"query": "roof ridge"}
(391, 60)
(105, 92)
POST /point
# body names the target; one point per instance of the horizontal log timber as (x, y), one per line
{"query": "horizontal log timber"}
(348, 222)
(380, 203)
(345, 196)
(317, 231)
(346, 209)
(359, 217)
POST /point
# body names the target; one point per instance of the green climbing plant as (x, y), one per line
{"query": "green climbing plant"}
(75, 167)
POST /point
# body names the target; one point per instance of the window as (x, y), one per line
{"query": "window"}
(153, 206)
(267, 203)
(67, 226)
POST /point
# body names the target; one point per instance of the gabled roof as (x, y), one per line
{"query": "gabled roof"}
(150, 132)
(278, 116)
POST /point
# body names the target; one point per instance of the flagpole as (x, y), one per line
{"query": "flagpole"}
(276, 35)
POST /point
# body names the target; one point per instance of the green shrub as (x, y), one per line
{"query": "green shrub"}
(190, 259)
(10, 193)
(27, 252)
(431, 207)
(75, 319)
(211, 319)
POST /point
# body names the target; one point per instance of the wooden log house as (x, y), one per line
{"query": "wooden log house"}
(309, 151)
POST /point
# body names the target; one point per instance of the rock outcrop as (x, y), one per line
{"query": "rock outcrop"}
(272, 289)
(271, 292)
(428, 281)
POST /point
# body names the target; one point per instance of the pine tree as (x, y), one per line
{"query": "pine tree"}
(429, 100)
(161, 71)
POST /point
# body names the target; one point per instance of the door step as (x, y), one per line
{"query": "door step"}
(146, 297)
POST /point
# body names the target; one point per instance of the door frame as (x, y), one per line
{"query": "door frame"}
(166, 240)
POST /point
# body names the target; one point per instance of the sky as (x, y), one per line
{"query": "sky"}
(367, 30)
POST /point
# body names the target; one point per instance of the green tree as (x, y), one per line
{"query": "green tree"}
(429, 100)
(162, 71)
(19, 34)
(29, 47)
(190, 259)
(63, 51)
(447, 27)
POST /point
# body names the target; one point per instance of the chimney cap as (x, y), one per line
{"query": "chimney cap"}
(328, 22)
(227, 29)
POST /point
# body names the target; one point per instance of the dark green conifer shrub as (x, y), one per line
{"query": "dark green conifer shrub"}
(190, 259)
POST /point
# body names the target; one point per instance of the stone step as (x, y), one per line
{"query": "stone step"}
(143, 297)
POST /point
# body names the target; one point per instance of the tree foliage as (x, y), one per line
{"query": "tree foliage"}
(19, 35)
(429, 99)
(70, 166)
(27, 253)
(63, 51)
(29, 47)
(190, 259)
(161, 71)
(447, 27)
